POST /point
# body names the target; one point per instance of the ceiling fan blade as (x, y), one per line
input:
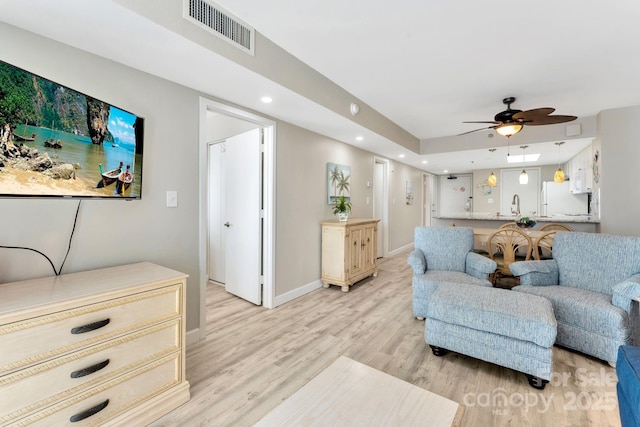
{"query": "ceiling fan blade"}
(476, 130)
(542, 116)
(535, 113)
(488, 121)
(549, 120)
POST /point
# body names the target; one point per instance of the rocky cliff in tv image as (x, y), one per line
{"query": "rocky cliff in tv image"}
(97, 120)
(30, 159)
(29, 99)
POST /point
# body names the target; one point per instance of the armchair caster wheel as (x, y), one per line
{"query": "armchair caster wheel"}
(536, 382)
(438, 351)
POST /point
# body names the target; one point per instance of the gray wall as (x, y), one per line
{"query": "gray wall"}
(620, 182)
(119, 232)
(301, 187)
(112, 232)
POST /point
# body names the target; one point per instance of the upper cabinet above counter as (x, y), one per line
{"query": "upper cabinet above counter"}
(580, 170)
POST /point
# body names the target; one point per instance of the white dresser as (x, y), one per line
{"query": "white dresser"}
(101, 347)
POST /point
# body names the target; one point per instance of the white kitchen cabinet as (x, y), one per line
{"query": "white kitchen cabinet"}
(581, 172)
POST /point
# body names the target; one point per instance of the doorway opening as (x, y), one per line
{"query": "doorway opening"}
(237, 180)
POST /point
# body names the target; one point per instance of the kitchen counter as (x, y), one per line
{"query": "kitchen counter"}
(555, 218)
(586, 223)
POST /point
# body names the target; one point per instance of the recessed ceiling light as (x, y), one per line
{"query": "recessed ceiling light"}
(266, 99)
(359, 138)
(445, 171)
(424, 162)
(401, 156)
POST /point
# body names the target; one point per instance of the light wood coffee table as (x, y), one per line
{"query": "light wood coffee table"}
(348, 393)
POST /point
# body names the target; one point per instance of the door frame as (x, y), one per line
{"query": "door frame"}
(427, 195)
(384, 219)
(268, 179)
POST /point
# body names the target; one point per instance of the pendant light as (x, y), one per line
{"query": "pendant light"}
(524, 177)
(558, 177)
(492, 181)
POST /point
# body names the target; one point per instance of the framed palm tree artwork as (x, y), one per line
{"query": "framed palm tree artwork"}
(338, 182)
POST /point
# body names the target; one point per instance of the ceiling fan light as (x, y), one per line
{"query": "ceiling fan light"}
(492, 181)
(524, 177)
(558, 177)
(509, 129)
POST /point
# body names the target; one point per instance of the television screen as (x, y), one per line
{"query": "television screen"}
(57, 142)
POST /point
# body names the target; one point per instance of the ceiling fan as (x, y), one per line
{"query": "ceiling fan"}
(510, 121)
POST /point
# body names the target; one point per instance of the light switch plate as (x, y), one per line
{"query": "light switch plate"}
(172, 199)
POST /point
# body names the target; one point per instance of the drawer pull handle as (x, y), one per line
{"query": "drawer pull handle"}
(89, 412)
(90, 327)
(90, 370)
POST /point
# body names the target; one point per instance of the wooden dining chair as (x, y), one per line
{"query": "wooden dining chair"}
(508, 225)
(543, 245)
(555, 226)
(505, 246)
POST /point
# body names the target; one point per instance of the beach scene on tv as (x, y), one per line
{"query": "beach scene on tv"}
(55, 141)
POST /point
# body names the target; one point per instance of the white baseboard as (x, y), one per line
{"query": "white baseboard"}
(298, 292)
(401, 249)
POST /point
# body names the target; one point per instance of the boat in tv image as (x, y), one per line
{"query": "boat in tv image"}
(58, 142)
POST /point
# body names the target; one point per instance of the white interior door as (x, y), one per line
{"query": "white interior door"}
(216, 187)
(426, 201)
(455, 195)
(243, 195)
(378, 204)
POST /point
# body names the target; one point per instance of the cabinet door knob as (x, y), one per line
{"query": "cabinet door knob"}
(90, 327)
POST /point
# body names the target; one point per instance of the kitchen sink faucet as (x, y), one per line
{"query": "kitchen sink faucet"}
(515, 201)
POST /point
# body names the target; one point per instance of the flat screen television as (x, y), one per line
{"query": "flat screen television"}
(58, 142)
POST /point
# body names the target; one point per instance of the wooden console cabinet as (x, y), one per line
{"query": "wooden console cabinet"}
(101, 347)
(349, 251)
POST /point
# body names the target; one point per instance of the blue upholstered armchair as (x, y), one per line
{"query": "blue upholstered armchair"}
(593, 282)
(444, 255)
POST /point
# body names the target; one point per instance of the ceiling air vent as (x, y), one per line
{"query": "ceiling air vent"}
(218, 21)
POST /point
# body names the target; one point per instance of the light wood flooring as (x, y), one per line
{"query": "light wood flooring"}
(254, 358)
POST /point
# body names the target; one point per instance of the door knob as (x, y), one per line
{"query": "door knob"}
(227, 224)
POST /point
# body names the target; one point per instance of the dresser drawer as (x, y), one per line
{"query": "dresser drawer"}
(112, 398)
(32, 389)
(42, 338)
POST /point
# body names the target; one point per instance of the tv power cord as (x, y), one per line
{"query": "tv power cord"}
(58, 272)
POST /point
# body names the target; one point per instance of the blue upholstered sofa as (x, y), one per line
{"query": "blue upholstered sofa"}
(445, 255)
(592, 282)
(628, 387)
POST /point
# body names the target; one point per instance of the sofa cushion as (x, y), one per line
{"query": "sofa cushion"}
(444, 248)
(628, 371)
(591, 311)
(499, 311)
(431, 279)
(595, 262)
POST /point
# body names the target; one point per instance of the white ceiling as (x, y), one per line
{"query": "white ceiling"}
(427, 65)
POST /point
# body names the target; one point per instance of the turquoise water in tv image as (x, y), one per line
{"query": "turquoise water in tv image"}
(78, 149)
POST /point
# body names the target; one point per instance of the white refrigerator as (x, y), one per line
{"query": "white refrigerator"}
(557, 199)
